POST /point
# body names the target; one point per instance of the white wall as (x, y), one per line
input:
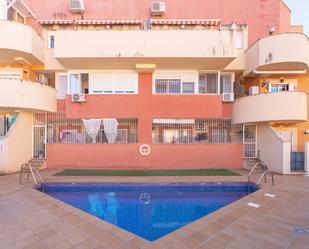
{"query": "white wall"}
(17, 147)
(275, 152)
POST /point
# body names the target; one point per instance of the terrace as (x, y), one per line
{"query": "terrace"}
(32, 219)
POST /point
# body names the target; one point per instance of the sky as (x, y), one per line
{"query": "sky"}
(300, 13)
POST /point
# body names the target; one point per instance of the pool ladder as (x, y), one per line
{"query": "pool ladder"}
(28, 168)
(264, 173)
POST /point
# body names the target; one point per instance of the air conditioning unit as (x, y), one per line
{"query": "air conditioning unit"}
(254, 90)
(158, 8)
(43, 79)
(77, 6)
(78, 97)
(227, 97)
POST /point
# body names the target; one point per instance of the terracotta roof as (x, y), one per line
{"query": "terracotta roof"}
(213, 22)
(87, 22)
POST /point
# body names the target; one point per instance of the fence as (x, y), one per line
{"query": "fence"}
(60, 129)
(167, 131)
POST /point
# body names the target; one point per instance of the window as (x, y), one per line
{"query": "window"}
(239, 39)
(208, 83)
(3, 10)
(13, 15)
(84, 82)
(188, 87)
(74, 83)
(173, 82)
(113, 83)
(62, 87)
(226, 83)
(51, 41)
(279, 87)
(168, 85)
(122, 136)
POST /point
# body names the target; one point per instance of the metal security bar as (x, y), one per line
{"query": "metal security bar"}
(60, 129)
(199, 130)
(250, 148)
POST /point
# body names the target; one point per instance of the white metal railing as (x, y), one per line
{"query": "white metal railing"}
(249, 141)
(57, 128)
(28, 168)
(198, 130)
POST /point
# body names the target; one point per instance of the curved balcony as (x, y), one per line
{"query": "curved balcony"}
(20, 44)
(283, 52)
(30, 96)
(287, 107)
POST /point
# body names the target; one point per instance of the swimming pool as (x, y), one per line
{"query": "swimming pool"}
(148, 210)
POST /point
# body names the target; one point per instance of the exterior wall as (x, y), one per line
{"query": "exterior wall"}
(117, 156)
(31, 48)
(260, 15)
(145, 106)
(302, 86)
(274, 151)
(17, 144)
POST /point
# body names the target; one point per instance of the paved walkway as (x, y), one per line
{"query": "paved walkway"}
(31, 219)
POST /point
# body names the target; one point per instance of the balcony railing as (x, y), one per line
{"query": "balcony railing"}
(20, 42)
(26, 95)
(283, 52)
(165, 48)
(271, 107)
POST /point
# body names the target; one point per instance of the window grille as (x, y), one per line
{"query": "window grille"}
(175, 82)
(198, 130)
(71, 130)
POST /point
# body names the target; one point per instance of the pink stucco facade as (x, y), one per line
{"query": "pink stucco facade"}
(126, 156)
(259, 15)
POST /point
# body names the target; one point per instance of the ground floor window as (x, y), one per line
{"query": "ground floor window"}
(60, 129)
(198, 130)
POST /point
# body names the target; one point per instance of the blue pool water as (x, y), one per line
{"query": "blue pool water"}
(148, 210)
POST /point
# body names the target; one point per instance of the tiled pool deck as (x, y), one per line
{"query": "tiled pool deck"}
(31, 219)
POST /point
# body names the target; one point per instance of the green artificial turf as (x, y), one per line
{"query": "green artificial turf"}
(176, 172)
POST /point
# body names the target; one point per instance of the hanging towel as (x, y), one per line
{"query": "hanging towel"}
(110, 129)
(92, 127)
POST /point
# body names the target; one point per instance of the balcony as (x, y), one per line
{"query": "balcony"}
(145, 105)
(286, 107)
(283, 52)
(20, 44)
(29, 96)
(165, 48)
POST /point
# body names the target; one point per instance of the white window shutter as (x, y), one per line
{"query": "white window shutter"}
(62, 87)
(125, 82)
(101, 82)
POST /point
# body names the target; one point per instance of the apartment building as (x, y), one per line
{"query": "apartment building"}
(152, 84)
